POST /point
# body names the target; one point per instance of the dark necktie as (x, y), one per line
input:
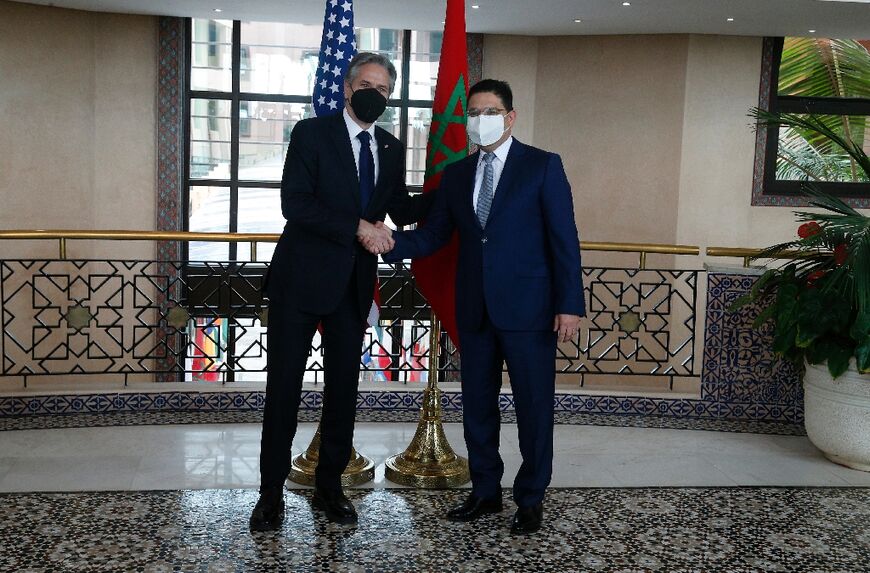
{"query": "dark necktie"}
(366, 169)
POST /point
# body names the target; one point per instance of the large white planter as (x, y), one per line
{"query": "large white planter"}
(837, 415)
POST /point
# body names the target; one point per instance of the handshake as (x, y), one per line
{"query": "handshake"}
(377, 238)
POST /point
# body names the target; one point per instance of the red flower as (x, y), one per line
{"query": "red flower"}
(813, 277)
(841, 252)
(809, 229)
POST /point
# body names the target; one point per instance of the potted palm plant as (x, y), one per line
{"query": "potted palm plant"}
(819, 303)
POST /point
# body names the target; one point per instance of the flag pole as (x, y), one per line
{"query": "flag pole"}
(429, 461)
(360, 469)
(337, 48)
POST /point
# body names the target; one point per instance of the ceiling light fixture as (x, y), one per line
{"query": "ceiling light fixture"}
(475, 6)
(577, 20)
(730, 19)
(626, 3)
(812, 31)
(218, 10)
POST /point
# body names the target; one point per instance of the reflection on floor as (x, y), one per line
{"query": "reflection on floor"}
(616, 529)
(207, 456)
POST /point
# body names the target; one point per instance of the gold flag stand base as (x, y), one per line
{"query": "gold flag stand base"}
(359, 470)
(429, 461)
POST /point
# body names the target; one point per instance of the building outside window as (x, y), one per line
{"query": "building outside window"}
(249, 83)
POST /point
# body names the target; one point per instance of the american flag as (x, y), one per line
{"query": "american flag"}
(337, 47)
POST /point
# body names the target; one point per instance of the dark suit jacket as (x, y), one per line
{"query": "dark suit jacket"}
(320, 199)
(525, 265)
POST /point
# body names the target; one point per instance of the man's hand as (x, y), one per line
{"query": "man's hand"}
(566, 325)
(377, 238)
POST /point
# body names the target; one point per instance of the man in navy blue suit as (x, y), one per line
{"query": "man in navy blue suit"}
(518, 291)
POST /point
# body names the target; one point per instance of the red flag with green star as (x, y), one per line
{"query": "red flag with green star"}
(448, 142)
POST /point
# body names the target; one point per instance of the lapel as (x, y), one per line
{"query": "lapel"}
(386, 153)
(344, 152)
(509, 175)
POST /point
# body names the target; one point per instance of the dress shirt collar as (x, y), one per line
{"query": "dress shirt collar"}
(501, 152)
(353, 128)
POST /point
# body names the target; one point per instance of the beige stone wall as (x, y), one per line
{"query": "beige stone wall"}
(78, 104)
(654, 134)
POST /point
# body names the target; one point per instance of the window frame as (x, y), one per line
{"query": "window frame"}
(235, 96)
(773, 188)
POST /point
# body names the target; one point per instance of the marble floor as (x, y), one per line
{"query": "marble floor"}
(206, 456)
(623, 499)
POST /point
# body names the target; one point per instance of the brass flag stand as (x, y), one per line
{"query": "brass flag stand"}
(359, 470)
(429, 461)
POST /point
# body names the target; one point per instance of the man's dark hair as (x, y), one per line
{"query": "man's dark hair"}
(497, 87)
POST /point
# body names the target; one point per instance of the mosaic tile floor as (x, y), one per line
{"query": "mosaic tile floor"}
(367, 415)
(628, 530)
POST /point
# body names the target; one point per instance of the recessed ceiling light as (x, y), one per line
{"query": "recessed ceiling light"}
(626, 3)
(730, 19)
(218, 10)
(577, 20)
(812, 31)
(475, 6)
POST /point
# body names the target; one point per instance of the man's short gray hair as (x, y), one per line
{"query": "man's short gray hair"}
(363, 58)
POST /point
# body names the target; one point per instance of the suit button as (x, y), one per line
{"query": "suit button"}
(483, 240)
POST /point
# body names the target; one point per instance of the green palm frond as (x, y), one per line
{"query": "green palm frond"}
(817, 125)
(819, 67)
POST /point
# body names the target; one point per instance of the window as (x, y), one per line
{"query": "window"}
(829, 80)
(249, 83)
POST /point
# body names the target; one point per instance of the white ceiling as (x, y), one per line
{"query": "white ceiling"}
(830, 18)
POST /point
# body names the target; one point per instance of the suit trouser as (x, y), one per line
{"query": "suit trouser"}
(289, 336)
(530, 357)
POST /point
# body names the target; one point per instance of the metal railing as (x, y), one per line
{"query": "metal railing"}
(177, 318)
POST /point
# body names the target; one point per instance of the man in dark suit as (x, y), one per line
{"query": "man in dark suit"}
(341, 175)
(518, 289)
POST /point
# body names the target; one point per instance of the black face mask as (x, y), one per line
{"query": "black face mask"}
(368, 104)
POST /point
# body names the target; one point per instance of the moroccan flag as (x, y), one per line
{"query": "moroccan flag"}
(448, 142)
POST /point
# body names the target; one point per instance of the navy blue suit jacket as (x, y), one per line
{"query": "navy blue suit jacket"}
(320, 198)
(525, 265)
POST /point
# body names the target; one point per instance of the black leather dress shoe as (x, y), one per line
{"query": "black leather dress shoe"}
(473, 507)
(335, 504)
(268, 514)
(528, 519)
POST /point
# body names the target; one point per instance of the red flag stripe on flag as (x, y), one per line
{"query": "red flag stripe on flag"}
(448, 142)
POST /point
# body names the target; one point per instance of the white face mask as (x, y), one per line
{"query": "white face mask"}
(485, 130)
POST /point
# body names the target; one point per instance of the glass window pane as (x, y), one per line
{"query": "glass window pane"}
(211, 55)
(819, 67)
(425, 55)
(209, 211)
(387, 42)
(264, 133)
(259, 212)
(391, 120)
(279, 58)
(419, 120)
(805, 155)
(209, 139)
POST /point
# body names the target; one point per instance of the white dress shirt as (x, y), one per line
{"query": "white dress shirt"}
(353, 130)
(501, 153)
